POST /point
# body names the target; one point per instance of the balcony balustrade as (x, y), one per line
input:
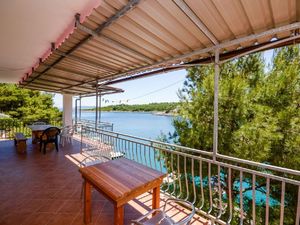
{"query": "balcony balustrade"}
(226, 190)
(42, 188)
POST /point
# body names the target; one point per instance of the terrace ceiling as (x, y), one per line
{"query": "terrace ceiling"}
(123, 39)
(27, 29)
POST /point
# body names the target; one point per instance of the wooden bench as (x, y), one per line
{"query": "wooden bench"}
(20, 142)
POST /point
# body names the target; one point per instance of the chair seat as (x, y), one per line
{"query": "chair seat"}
(158, 219)
(161, 217)
(66, 135)
(155, 219)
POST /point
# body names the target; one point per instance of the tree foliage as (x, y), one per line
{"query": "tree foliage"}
(151, 107)
(259, 116)
(27, 105)
(259, 120)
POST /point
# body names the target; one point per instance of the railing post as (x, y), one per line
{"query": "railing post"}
(216, 93)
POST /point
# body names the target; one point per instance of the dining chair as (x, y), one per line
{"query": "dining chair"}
(161, 217)
(90, 159)
(50, 135)
(66, 135)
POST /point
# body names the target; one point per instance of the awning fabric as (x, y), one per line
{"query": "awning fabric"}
(122, 39)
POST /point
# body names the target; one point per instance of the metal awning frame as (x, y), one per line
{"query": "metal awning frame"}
(216, 50)
(101, 90)
(180, 60)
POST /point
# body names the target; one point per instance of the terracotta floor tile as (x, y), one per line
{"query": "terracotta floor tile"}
(38, 219)
(98, 205)
(108, 208)
(104, 218)
(79, 220)
(131, 209)
(46, 189)
(66, 194)
(71, 206)
(52, 206)
(63, 219)
(13, 218)
(30, 205)
(44, 193)
(97, 196)
(78, 194)
(9, 205)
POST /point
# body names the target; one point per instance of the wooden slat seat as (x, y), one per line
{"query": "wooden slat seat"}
(20, 142)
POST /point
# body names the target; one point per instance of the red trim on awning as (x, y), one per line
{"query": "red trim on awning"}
(64, 35)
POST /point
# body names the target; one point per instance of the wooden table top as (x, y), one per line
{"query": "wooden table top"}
(121, 177)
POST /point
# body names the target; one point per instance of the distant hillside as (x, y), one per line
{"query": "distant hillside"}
(166, 107)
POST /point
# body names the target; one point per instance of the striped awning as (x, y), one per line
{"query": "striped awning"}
(124, 39)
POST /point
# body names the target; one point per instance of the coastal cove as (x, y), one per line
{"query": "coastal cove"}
(141, 124)
(162, 108)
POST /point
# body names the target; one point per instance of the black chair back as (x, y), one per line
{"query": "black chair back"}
(50, 135)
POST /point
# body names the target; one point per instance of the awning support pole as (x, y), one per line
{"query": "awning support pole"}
(216, 93)
(97, 100)
(100, 108)
(76, 108)
(80, 108)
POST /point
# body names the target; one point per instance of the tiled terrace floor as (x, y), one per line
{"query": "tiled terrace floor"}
(37, 189)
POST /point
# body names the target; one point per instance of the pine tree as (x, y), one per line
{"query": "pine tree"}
(259, 120)
(27, 105)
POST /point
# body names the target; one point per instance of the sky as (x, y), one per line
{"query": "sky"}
(159, 88)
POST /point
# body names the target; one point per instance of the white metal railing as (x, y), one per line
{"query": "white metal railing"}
(91, 123)
(226, 190)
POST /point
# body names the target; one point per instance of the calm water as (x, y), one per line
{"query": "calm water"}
(145, 125)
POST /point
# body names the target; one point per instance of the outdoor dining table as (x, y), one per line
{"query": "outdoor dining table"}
(120, 181)
(37, 131)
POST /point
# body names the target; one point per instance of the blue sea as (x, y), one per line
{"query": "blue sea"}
(146, 125)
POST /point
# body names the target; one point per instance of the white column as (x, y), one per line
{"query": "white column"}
(216, 93)
(67, 109)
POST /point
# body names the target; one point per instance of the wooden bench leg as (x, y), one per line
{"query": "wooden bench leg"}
(87, 202)
(119, 215)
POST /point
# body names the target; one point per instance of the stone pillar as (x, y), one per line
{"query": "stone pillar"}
(67, 109)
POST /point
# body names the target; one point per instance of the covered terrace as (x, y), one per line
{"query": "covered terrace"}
(37, 190)
(81, 48)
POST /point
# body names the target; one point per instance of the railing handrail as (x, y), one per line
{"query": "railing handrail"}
(93, 122)
(9, 127)
(221, 156)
